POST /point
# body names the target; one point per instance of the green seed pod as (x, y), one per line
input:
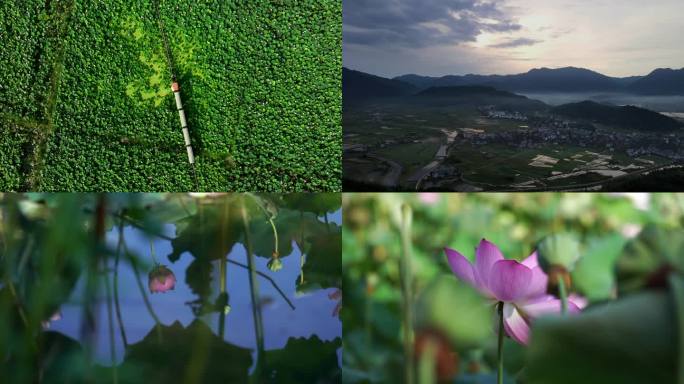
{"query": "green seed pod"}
(561, 249)
(275, 264)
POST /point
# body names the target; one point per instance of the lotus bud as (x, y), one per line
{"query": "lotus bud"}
(560, 250)
(161, 279)
(275, 264)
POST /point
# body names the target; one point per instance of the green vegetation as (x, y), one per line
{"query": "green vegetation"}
(630, 270)
(627, 116)
(260, 83)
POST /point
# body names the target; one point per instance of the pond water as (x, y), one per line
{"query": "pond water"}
(134, 334)
(313, 313)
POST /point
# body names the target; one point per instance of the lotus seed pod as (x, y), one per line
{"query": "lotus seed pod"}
(561, 249)
(275, 264)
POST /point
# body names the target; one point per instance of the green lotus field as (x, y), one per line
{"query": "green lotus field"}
(86, 103)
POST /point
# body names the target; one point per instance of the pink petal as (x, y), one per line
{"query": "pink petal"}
(538, 283)
(461, 266)
(515, 325)
(509, 280)
(429, 197)
(547, 305)
(579, 301)
(531, 260)
(486, 255)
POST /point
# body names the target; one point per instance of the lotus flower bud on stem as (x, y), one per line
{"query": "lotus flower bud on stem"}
(161, 279)
(561, 249)
(274, 264)
(557, 273)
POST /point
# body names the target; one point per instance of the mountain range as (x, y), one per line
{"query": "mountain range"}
(569, 79)
(359, 86)
(412, 91)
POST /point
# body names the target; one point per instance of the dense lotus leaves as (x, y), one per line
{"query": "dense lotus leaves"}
(260, 84)
(649, 256)
(30, 38)
(456, 310)
(16, 148)
(631, 340)
(594, 274)
(194, 354)
(304, 361)
(323, 266)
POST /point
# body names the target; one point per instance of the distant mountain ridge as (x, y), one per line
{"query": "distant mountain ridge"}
(357, 86)
(567, 79)
(625, 116)
(465, 90)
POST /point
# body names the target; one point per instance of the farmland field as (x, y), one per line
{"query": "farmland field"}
(260, 83)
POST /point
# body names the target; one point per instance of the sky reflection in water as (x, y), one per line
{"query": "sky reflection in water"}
(313, 314)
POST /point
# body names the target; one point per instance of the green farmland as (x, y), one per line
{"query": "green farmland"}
(85, 95)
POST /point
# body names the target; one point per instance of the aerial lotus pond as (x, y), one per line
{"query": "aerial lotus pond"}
(513, 288)
(260, 83)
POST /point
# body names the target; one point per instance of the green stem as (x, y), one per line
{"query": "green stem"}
(499, 355)
(426, 364)
(563, 295)
(110, 319)
(327, 224)
(222, 314)
(116, 286)
(254, 293)
(275, 235)
(141, 287)
(407, 295)
(154, 257)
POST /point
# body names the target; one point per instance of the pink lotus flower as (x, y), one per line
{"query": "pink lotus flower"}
(161, 279)
(521, 286)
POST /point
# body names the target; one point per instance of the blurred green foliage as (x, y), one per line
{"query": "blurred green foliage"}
(626, 248)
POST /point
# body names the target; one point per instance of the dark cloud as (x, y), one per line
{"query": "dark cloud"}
(421, 23)
(512, 43)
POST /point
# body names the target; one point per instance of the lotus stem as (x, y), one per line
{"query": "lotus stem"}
(499, 354)
(275, 236)
(141, 287)
(426, 364)
(563, 295)
(116, 286)
(254, 292)
(406, 278)
(154, 257)
(222, 314)
(110, 321)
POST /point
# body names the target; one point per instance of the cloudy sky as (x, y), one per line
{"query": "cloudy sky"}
(440, 37)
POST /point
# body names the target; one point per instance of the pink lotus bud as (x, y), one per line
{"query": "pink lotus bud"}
(162, 279)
